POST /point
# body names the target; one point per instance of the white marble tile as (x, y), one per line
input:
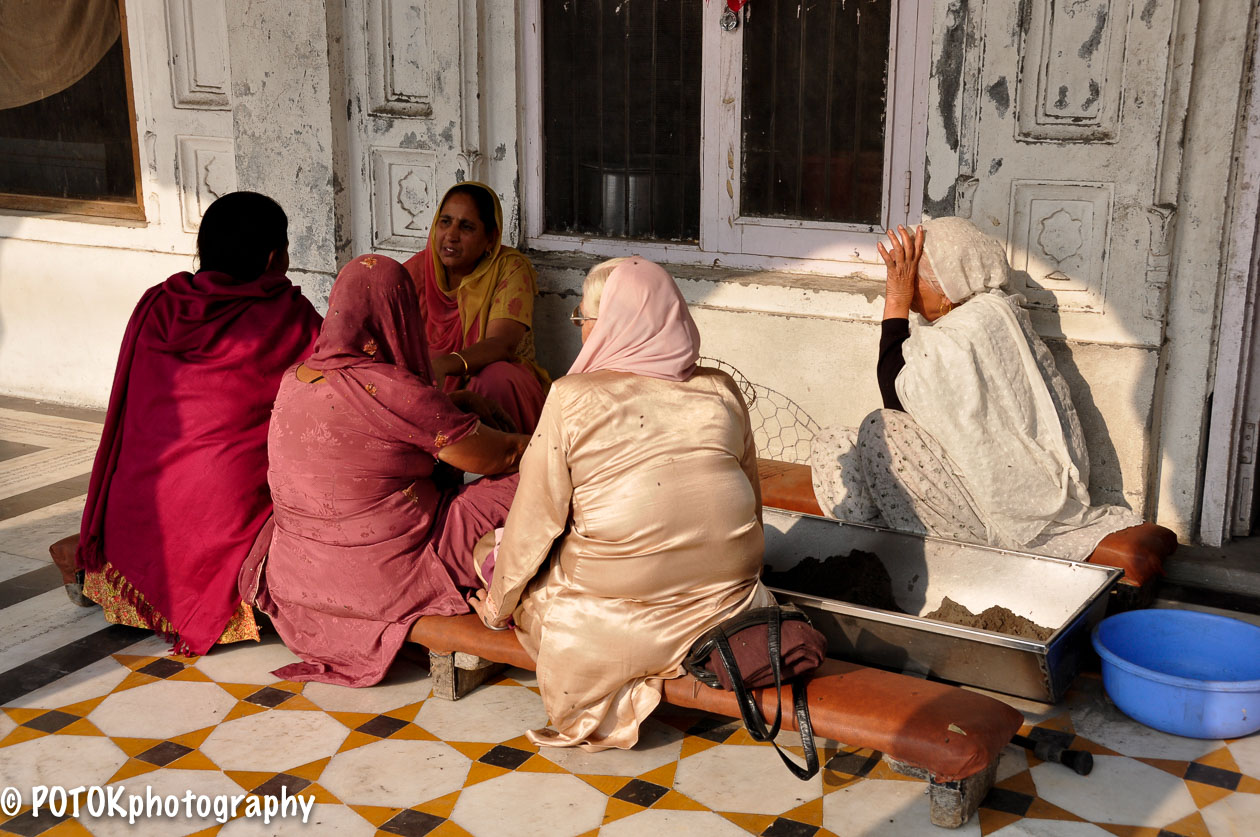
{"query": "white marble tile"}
(323, 819)
(246, 662)
(1236, 814)
(490, 714)
(94, 680)
(395, 773)
(66, 760)
(1101, 722)
(1120, 791)
(1246, 752)
(673, 823)
(744, 779)
(48, 431)
(1050, 828)
(1011, 761)
(7, 725)
(406, 683)
(30, 534)
(885, 808)
(659, 744)
(43, 623)
(163, 709)
(161, 784)
(275, 740)
(151, 646)
(529, 804)
(13, 565)
(35, 470)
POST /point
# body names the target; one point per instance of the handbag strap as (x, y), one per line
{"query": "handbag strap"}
(751, 714)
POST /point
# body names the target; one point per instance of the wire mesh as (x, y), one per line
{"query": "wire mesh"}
(781, 427)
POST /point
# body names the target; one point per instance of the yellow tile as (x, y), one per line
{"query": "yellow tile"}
(196, 760)
(619, 809)
(663, 776)
(522, 742)
(693, 744)
(449, 829)
(811, 813)
(322, 795)
(991, 821)
(406, 713)
(136, 746)
(480, 772)
(208, 832)
(133, 680)
(299, 703)
(756, 823)
(1191, 826)
(21, 716)
(83, 707)
(374, 814)
(289, 686)
(592, 833)
(311, 770)
(440, 807)
(195, 675)
(68, 828)
(21, 734)
(356, 739)
(883, 771)
(1221, 758)
(834, 780)
(1245, 785)
(675, 801)
(472, 749)
(352, 720)
(133, 662)
(242, 710)
(240, 691)
(130, 769)
(80, 727)
(411, 732)
(1204, 795)
(1021, 782)
(1173, 766)
(1042, 810)
(250, 779)
(605, 784)
(195, 738)
(538, 764)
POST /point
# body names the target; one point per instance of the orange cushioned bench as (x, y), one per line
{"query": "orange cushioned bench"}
(929, 730)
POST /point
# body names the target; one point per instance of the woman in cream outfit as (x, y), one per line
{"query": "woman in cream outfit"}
(640, 502)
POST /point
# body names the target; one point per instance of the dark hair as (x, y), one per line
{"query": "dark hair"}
(238, 232)
(482, 198)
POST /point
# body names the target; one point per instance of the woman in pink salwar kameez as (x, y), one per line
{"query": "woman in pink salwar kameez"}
(367, 536)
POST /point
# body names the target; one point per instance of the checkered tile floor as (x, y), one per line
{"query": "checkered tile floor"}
(85, 703)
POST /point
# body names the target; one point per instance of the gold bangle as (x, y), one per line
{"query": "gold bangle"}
(461, 360)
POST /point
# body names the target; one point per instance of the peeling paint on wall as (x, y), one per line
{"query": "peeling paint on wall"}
(1090, 46)
(1000, 95)
(948, 71)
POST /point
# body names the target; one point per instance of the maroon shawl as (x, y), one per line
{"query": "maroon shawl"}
(179, 487)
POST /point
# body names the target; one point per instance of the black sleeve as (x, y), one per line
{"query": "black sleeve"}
(893, 332)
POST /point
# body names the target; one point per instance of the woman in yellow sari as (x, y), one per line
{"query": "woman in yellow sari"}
(477, 301)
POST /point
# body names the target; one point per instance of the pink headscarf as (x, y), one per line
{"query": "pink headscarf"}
(643, 326)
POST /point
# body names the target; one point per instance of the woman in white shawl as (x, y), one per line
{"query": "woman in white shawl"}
(978, 441)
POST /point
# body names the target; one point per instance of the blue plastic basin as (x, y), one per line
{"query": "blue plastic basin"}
(1183, 672)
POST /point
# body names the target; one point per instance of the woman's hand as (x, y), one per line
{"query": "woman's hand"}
(486, 451)
(481, 605)
(902, 259)
(445, 366)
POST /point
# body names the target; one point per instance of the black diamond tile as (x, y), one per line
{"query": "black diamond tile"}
(714, 729)
(164, 753)
(51, 721)
(274, 785)
(641, 793)
(269, 697)
(783, 827)
(163, 668)
(854, 764)
(411, 823)
(1007, 801)
(507, 757)
(382, 726)
(1164, 832)
(25, 825)
(1215, 776)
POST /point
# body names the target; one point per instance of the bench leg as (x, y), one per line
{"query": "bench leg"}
(456, 674)
(952, 803)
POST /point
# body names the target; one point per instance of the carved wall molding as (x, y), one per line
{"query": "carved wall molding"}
(1059, 241)
(196, 31)
(1163, 220)
(404, 197)
(402, 61)
(207, 170)
(1072, 71)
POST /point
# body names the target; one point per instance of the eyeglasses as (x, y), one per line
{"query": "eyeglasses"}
(578, 318)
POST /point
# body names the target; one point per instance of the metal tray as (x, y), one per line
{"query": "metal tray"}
(1068, 596)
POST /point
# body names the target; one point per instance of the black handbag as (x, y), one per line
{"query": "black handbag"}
(774, 644)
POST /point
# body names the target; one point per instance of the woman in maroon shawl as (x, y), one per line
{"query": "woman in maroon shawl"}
(477, 301)
(178, 492)
(366, 540)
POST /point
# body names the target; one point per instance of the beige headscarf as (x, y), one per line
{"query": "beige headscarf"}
(965, 260)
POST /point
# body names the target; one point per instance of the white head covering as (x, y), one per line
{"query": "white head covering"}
(965, 260)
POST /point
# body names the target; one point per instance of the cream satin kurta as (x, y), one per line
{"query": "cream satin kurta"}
(648, 491)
